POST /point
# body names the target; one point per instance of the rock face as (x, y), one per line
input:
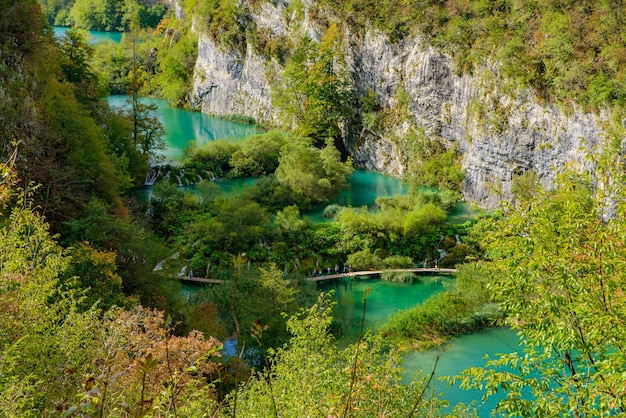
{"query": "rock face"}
(498, 132)
(177, 7)
(227, 83)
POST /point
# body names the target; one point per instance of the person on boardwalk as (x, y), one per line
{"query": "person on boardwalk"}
(336, 268)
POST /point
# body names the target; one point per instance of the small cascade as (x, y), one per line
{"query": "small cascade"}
(212, 176)
(152, 176)
(159, 266)
(442, 253)
(180, 183)
(458, 240)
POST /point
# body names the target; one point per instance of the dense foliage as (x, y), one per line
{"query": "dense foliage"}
(59, 360)
(570, 50)
(557, 272)
(74, 156)
(314, 95)
(76, 337)
(103, 15)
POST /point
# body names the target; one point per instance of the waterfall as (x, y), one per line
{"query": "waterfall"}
(151, 177)
(159, 265)
(442, 254)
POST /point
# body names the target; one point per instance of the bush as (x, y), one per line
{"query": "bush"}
(331, 211)
(364, 259)
(398, 261)
(398, 276)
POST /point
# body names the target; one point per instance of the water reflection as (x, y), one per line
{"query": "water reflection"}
(182, 126)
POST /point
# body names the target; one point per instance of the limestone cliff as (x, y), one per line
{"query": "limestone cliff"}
(500, 133)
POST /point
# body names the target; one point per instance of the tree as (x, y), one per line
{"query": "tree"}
(360, 381)
(314, 95)
(104, 15)
(142, 144)
(57, 356)
(177, 58)
(558, 274)
(76, 53)
(93, 272)
(314, 174)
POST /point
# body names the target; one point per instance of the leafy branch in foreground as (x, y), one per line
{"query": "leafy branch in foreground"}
(558, 273)
(327, 375)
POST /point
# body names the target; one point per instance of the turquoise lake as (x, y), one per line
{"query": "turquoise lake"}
(94, 35)
(383, 300)
(387, 298)
(182, 126)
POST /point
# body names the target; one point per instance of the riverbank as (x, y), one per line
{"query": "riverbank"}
(464, 308)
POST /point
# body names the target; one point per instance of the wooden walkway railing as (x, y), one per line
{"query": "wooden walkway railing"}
(202, 280)
(378, 272)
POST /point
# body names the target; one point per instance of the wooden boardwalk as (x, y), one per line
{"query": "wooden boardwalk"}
(202, 280)
(378, 272)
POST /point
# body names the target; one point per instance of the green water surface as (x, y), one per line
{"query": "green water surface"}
(182, 126)
(383, 300)
(363, 189)
(94, 35)
(456, 356)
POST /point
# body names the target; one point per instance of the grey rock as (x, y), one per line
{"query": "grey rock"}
(500, 133)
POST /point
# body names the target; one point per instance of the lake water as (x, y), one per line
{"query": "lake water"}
(386, 298)
(94, 35)
(363, 189)
(182, 126)
(456, 356)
